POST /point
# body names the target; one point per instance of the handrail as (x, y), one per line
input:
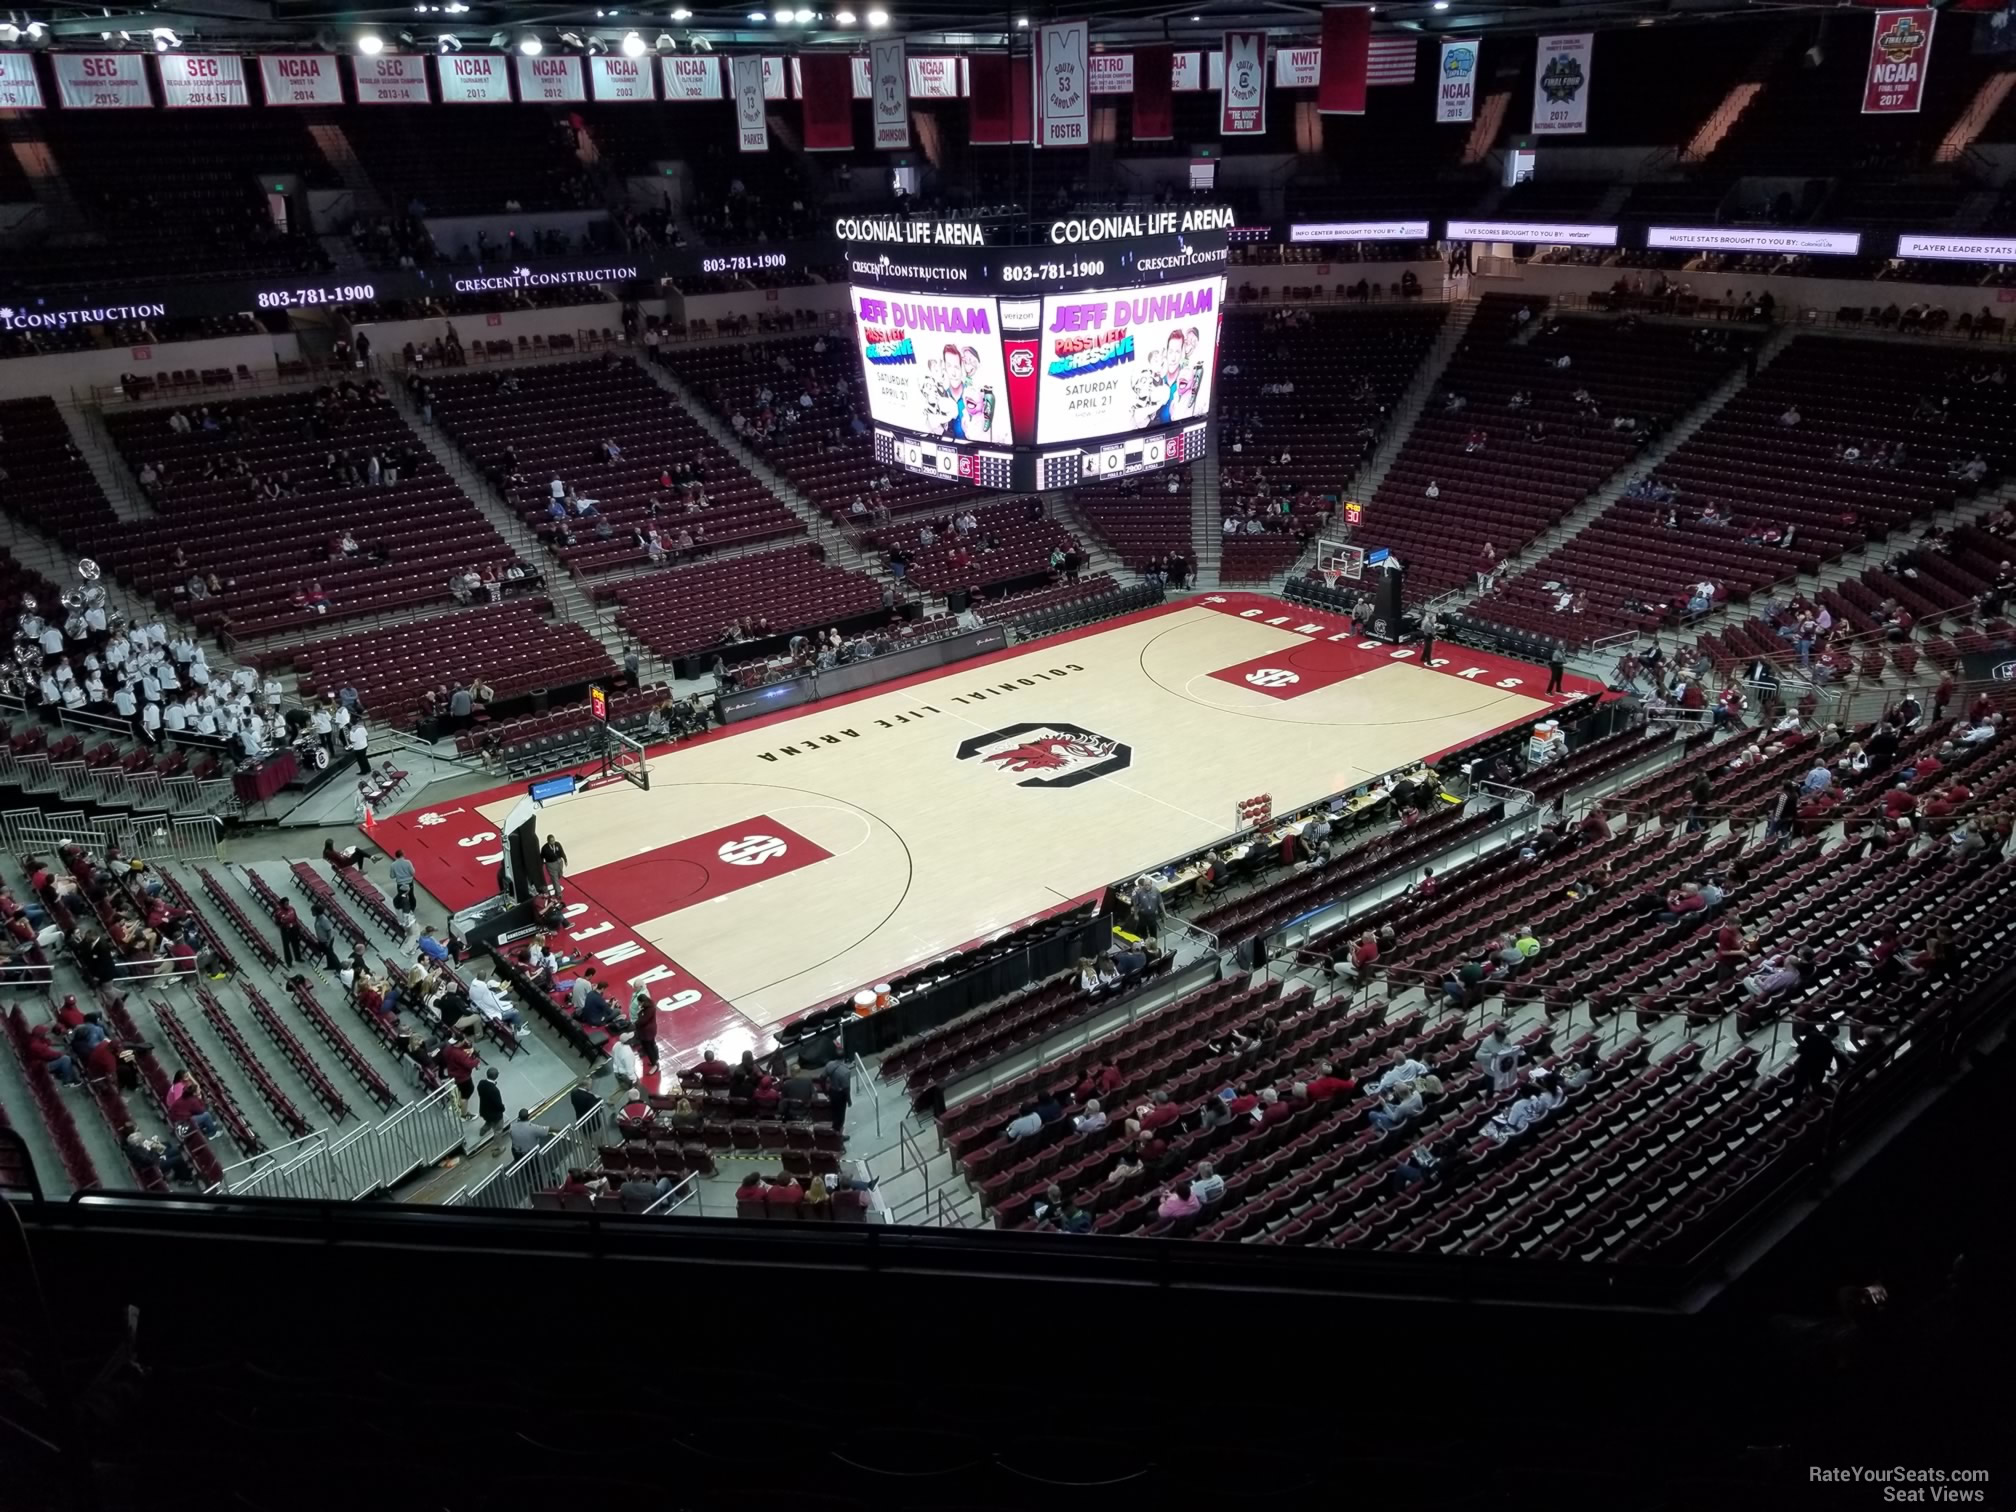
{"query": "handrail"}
(863, 1079)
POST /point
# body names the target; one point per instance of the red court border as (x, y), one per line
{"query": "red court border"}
(449, 872)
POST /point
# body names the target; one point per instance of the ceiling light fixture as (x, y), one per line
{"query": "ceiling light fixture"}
(633, 45)
(165, 39)
(805, 17)
(370, 44)
(448, 42)
(681, 14)
(530, 45)
(878, 18)
(843, 18)
(758, 16)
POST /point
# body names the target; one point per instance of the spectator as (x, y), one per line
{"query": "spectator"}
(1178, 1203)
(1024, 1125)
(526, 1136)
(490, 1105)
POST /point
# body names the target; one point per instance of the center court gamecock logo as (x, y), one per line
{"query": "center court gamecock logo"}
(1056, 755)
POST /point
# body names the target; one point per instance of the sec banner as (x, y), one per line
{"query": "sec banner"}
(1242, 100)
(1899, 54)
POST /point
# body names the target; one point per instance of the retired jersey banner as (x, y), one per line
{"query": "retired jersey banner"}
(827, 102)
(691, 78)
(1899, 54)
(551, 79)
(1347, 52)
(202, 81)
(391, 79)
(300, 79)
(1063, 88)
(19, 88)
(1154, 114)
(1456, 83)
(475, 79)
(1561, 85)
(621, 79)
(752, 121)
(1242, 100)
(889, 75)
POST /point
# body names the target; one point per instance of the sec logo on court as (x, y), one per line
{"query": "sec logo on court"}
(752, 850)
(1272, 677)
(1054, 754)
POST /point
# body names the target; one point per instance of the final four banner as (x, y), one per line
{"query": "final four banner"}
(1242, 101)
(1456, 82)
(1899, 54)
(1063, 85)
(1561, 84)
(745, 86)
(889, 81)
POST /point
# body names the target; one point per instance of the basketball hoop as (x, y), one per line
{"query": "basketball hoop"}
(1330, 577)
(1337, 560)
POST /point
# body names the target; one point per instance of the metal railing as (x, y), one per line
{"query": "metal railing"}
(573, 1147)
(368, 1158)
(76, 781)
(149, 837)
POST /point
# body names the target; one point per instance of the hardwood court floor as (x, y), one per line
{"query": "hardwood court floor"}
(777, 865)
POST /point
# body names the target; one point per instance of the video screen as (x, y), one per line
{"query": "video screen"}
(1127, 360)
(932, 363)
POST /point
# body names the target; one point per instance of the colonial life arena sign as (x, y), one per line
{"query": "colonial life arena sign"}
(1093, 228)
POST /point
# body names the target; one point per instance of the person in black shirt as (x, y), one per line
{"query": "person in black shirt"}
(553, 855)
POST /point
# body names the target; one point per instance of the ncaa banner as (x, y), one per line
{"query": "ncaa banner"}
(474, 78)
(889, 76)
(1063, 86)
(1899, 54)
(745, 85)
(300, 79)
(691, 77)
(1242, 99)
(621, 79)
(1456, 83)
(550, 79)
(1561, 85)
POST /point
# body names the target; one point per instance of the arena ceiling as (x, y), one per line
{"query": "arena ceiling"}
(946, 24)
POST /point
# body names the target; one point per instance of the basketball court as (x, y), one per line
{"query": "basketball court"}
(774, 866)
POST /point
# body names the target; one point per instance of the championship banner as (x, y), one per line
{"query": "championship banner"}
(391, 79)
(1347, 52)
(19, 88)
(1063, 90)
(300, 79)
(1456, 87)
(827, 103)
(691, 78)
(745, 85)
(551, 79)
(1242, 102)
(936, 77)
(1297, 67)
(776, 79)
(475, 79)
(889, 75)
(1154, 113)
(1561, 85)
(1186, 72)
(202, 81)
(1111, 73)
(620, 79)
(1899, 54)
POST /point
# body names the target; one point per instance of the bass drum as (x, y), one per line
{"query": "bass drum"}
(313, 753)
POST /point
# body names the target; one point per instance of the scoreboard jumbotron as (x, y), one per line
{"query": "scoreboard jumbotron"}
(1086, 349)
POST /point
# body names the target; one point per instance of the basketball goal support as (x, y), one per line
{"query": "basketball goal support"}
(624, 757)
